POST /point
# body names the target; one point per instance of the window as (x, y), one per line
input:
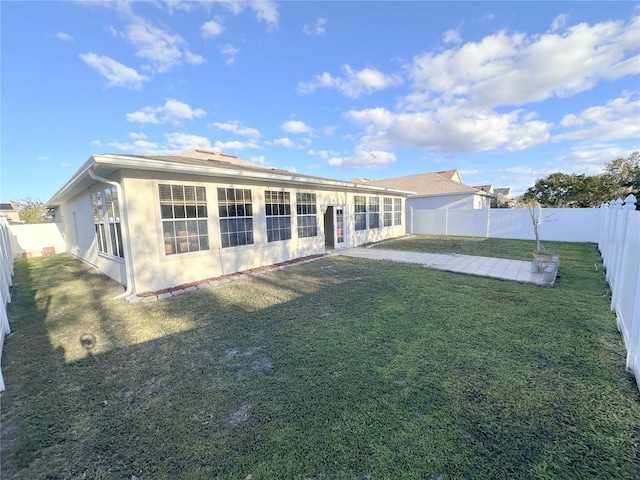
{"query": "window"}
(307, 215)
(183, 209)
(387, 219)
(106, 218)
(374, 212)
(278, 211)
(98, 220)
(113, 217)
(236, 217)
(397, 211)
(360, 212)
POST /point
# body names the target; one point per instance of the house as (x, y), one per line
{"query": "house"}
(435, 190)
(484, 188)
(156, 222)
(10, 212)
(504, 198)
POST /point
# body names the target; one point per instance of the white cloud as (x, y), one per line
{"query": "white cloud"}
(591, 160)
(355, 83)
(64, 37)
(453, 128)
(455, 93)
(284, 142)
(230, 52)
(324, 154)
(452, 36)
(137, 135)
(315, 28)
(296, 126)
(163, 49)
(116, 73)
(559, 22)
(180, 142)
(212, 28)
(266, 10)
(234, 126)
(172, 111)
(139, 147)
(364, 159)
(514, 69)
(235, 145)
(618, 119)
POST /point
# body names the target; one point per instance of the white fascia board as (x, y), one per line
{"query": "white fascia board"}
(81, 174)
(150, 164)
(448, 194)
(211, 171)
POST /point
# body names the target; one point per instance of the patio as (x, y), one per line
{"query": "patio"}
(498, 268)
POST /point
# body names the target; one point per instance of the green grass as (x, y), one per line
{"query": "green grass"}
(339, 368)
(484, 247)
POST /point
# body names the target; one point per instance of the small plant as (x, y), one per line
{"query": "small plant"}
(535, 212)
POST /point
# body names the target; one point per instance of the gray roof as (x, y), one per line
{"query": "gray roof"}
(424, 184)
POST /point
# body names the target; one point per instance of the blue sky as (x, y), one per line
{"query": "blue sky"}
(505, 92)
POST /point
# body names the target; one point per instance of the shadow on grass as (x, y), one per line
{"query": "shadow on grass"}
(340, 368)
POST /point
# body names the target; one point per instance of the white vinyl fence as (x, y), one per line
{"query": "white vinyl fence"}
(558, 224)
(619, 245)
(6, 272)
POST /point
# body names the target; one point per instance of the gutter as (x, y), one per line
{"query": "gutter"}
(125, 237)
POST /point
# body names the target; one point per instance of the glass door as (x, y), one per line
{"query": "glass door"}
(339, 231)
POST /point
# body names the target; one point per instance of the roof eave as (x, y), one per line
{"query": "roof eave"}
(149, 164)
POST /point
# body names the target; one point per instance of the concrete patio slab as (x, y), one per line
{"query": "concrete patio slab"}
(499, 268)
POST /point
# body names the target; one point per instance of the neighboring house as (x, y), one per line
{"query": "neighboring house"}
(156, 222)
(451, 175)
(10, 212)
(504, 198)
(435, 190)
(484, 188)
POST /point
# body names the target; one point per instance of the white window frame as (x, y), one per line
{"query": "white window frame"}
(184, 218)
(360, 212)
(235, 217)
(106, 218)
(307, 214)
(277, 206)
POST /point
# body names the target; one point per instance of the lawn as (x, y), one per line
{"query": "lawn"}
(339, 368)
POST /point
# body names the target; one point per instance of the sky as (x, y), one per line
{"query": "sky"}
(505, 92)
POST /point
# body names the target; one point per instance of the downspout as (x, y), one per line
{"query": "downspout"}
(125, 237)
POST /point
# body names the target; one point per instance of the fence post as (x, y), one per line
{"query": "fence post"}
(446, 220)
(604, 218)
(411, 217)
(620, 250)
(612, 247)
(488, 222)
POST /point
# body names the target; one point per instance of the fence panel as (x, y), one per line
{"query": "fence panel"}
(619, 246)
(6, 273)
(559, 224)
